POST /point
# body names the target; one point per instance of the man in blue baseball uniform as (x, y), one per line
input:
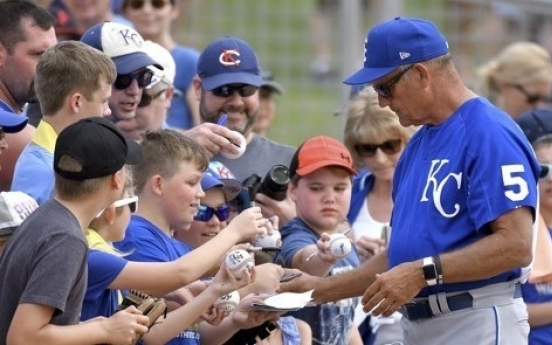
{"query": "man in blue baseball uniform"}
(464, 194)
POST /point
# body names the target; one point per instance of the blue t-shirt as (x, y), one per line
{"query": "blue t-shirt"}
(453, 179)
(34, 173)
(147, 243)
(103, 269)
(538, 293)
(186, 59)
(330, 322)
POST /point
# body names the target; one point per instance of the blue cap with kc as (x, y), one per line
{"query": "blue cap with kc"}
(228, 60)
(397, 42)
(12, 123)
(122, 44)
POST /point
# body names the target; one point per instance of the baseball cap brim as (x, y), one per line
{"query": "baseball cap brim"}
(12, 123)
(134, 153)
(131, 62)
(273, 86)
(208, 181)
(210, 83)
(321, 164)
(231, 188)
(368, 75)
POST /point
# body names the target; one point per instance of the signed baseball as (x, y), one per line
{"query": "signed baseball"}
(239, 140)
(228, 302)
(238, 259)
(340, 245)
(266, 240)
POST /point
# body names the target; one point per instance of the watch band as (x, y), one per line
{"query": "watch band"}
(429, 271)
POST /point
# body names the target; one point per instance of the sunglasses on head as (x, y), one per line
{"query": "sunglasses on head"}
(385, 90)
(532, 98)
(546, 171)
(388, 147)
(226, 91)
(131, 201)
(147, 99)
(138, 4)
(205, 213)
(142, 78)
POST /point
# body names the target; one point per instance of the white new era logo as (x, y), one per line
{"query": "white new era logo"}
(404, 55)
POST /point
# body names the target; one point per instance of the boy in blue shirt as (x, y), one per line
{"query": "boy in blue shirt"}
(320, 185)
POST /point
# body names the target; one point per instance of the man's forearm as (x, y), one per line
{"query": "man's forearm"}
(352, 283)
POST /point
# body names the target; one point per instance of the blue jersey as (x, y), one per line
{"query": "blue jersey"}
(453, 179)
(330, 322)
(147, 243)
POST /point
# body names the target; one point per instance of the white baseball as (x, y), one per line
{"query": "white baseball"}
(238, 259)
(340, 245)
(266, 240)
(228, 302)
(239, 140)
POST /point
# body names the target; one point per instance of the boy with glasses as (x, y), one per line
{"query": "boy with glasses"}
(63, 101)
(45, 260)
(126, 48)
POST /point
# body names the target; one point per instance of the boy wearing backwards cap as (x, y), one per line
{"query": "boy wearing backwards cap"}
(45, 260)
(320, 185)
(63, 101)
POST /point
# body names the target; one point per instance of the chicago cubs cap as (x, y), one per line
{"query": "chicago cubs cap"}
(122, 44)
(231, 185)
(98, 145)
(14, 208)
(228, 60)
(397, 42)
(12, 123)
(319, 152)
(535, 123)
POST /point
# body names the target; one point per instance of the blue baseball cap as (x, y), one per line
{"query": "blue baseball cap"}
(122, 44)
(535, 123)
(228, 60)
(209, 181)
(397, 42)
(12, 123)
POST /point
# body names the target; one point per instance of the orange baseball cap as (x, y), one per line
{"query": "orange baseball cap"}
(319, 152)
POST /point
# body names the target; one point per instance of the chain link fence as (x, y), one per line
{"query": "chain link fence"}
(291, 36)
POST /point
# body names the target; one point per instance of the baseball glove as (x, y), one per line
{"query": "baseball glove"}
(150, 306)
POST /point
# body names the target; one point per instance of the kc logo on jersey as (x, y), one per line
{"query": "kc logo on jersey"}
(438, 186)
(230, 57)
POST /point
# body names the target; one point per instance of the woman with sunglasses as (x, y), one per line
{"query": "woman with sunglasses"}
(153, 20)
(376, 139)
(109, 274)
(518, 79)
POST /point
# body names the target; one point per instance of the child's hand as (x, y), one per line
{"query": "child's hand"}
(248, 223)
(323, 246)
(214, 316)
(126, 325)
(225, 281)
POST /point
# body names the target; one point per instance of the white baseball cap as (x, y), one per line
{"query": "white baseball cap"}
(14, 208)
(164, 57)
(122, 44)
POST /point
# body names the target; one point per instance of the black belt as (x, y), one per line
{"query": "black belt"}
(422, 310)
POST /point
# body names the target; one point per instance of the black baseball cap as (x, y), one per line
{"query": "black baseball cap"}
(535, 123)
(98, 145)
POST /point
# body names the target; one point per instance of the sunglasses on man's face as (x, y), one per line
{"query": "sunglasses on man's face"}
(142, 78)
(546, 171)
(205, 213)
(388, 147)
(138, 4)
(385, 90)
(147, 98)
(226, 91)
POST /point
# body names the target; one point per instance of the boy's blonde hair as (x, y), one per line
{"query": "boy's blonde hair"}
(164, 151)
(68, 67)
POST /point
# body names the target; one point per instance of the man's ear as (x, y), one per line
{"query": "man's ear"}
(196, 82)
